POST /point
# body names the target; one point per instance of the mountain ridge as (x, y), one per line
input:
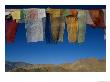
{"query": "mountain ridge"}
(82, 65)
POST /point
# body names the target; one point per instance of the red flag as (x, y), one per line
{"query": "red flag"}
(97, 17)
(11, 27)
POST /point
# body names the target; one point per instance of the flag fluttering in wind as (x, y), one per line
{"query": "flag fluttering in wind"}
(49, 24)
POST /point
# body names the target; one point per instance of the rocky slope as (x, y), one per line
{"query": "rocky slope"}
(83, 65)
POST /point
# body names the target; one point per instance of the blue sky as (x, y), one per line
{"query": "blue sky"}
(65, 52)
(40, 52)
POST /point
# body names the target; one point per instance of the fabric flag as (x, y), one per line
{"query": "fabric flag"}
(22, 15)
(62, 25)
(72, 28)
(72, 25)
(89, 20)
(16, 14)
(104, 10)
(61, 29)
(8, 15)
(8, 11)
(74, 12)
(97, 17)
(55, 28)
(34, 26)
(67, 12)
(11, 28)
(41, 13)
(81, 25)
(57, 24)
(54, 12)
(54, 18)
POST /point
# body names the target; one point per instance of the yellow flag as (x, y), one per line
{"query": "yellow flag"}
(16, 14)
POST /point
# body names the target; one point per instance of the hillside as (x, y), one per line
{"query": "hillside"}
(82, 65)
